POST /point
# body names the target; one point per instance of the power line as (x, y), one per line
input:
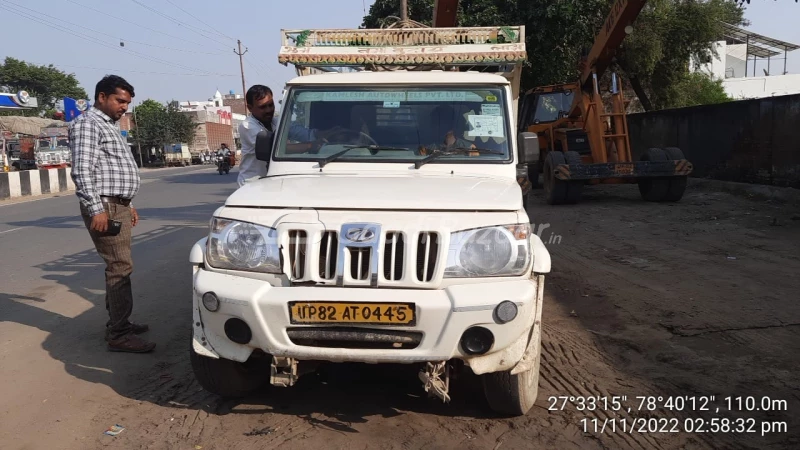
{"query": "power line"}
(137, 71)
(109, 35)
(249, 61)
(199, 20)
(189, 27)
(136, 24)
(97, 41)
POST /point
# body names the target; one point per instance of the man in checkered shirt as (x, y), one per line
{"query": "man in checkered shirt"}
(106, 180)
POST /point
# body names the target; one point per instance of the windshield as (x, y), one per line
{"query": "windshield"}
(43, 144)
(549, 106)
(62, 142)
(397, 124)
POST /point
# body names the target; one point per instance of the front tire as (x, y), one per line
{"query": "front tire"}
(228, 378)
(513, 395)
(560, 192)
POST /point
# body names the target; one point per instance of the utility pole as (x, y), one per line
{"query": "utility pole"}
(241, 63)
(138, 138)
(404, 11)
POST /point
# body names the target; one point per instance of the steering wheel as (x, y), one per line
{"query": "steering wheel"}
(352, 133)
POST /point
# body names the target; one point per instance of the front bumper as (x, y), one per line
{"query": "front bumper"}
(442, 317)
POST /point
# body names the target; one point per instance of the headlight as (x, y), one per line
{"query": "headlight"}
(493, 251)
(243, 246)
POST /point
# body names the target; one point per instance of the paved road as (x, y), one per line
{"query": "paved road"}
(694, 298)
(52, 298)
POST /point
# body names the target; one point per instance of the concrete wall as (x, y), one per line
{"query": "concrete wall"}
(35, 182)
(755, 141)
(758, 87)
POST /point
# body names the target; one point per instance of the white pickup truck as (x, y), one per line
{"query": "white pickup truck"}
(401, 237)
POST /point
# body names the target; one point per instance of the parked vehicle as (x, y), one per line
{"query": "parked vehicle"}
(399, 237)
(52, 148)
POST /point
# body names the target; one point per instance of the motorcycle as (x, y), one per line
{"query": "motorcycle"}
(223, 165)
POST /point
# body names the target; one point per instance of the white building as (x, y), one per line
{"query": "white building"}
(750, 65)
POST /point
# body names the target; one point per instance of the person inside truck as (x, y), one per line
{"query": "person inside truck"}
(445, 122)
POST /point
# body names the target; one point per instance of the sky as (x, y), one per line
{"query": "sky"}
(184, 49)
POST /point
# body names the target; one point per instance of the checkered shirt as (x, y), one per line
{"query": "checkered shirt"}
(102, 163)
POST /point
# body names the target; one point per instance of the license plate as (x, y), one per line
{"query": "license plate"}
(366, 313)
(624, 169)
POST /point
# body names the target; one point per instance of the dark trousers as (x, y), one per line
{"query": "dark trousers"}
(116, 252)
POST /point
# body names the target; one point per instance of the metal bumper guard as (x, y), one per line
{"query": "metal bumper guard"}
(639, 169)
(442, 317)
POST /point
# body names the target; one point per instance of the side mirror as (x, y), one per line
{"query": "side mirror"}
(528, 145)
(264, 145)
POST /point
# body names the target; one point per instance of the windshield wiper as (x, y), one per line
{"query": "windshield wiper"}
(371, 148)
(455, 151)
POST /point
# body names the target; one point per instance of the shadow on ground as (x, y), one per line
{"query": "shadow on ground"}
(198, 213)
(345, 393)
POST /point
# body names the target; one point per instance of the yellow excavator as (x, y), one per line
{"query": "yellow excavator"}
(583, 143)
(580, 141)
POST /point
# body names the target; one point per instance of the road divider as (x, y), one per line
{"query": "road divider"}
(30, 183)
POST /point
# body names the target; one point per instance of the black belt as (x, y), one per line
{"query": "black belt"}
(117, 200)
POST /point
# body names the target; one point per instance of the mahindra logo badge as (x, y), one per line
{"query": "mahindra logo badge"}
(360, 234)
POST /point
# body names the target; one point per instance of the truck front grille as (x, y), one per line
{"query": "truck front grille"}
(376, 258)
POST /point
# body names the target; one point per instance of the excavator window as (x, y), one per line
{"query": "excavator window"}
(551, 106)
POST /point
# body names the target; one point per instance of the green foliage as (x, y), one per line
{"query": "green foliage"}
(46, 83)
(666, 35)
(157, 125)
(696, 89)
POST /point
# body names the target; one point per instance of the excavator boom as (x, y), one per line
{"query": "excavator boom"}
(610, 37)
(445, 13)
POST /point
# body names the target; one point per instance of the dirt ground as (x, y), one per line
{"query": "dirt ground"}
(698, 298)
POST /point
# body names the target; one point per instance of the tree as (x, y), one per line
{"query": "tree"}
(697, 89)
(654, 58)
(46, 83)
(157, 125)
(667, 34)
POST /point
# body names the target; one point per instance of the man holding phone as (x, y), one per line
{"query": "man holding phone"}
(106, 180)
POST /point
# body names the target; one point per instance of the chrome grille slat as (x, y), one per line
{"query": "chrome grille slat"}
(327, 255)
(427, 256)
(393, 256)
(297, 253)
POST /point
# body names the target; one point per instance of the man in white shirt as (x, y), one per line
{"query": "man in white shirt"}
(262, 117)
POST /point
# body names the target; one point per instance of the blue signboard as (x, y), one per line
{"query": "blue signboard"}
(73, 108)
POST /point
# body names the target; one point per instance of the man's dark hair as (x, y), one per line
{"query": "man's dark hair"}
(109, 85)
(256, 93)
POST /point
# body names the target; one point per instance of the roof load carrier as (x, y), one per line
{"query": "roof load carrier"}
(489, 49)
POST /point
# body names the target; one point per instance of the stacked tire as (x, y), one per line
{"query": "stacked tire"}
(662, 189)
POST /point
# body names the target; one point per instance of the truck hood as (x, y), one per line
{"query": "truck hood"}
(392, 192)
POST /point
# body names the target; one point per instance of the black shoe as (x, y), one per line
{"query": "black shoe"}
(131, 344)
